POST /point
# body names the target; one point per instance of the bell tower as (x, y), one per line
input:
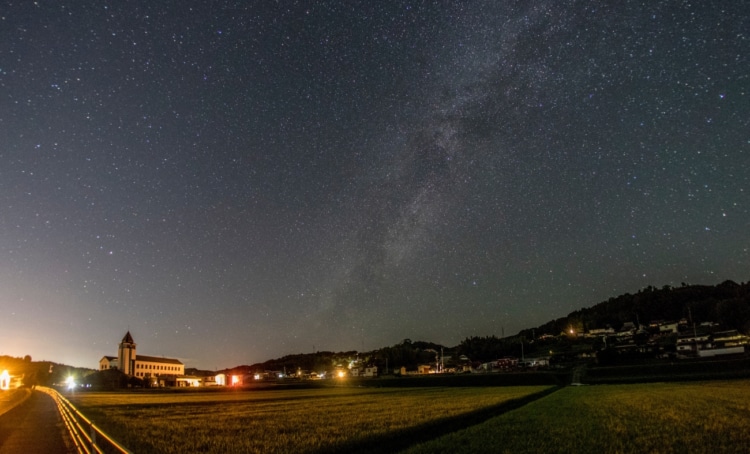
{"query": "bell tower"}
(126, 355)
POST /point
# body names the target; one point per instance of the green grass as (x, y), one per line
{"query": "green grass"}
(682, 418)
(283, 421)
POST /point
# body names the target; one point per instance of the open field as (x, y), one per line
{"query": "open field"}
(343, 419)
(688, 417)
(697, 417)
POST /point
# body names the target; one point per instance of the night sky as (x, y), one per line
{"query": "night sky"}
(237, 181)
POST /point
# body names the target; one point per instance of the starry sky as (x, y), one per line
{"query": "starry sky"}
(237, 181)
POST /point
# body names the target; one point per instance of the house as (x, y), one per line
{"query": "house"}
(731, 338)
(717, 351)
(506, 363)
(725, 343)
(628, 329)
(669, 327)
(108, 362)
(601, 332)
(693, 343)
(537, 362)
(191, 381)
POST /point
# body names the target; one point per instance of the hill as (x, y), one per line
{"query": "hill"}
(726, 305)
(45, 373)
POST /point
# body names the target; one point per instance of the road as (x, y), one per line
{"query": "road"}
(35, 426)
(11, 398)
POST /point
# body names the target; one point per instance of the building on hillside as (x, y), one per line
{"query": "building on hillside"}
(693, 342)
(628, 329)
(725, 343)
(669, 327)
(609, 331)
(157, 370)
(731, 338)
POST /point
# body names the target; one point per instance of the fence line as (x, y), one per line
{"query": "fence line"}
(85, 435)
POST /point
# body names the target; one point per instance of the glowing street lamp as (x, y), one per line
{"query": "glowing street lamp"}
(71, 382)
(5, 380)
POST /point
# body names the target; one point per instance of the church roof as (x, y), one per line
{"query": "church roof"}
(157, 359)
(128, 338)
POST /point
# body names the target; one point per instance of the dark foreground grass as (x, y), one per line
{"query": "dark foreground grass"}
(696, 417)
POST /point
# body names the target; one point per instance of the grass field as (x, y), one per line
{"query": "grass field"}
(693, 417)
(699, 417)
(285, 421)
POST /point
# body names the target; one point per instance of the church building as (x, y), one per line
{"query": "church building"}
(153, 368)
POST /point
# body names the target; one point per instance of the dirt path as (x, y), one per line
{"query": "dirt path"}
(33, 427)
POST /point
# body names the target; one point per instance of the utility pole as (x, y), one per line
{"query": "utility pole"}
(695, 332)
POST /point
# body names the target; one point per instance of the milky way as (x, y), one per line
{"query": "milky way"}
(234, 182)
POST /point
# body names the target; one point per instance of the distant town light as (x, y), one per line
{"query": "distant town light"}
(235, 380)
(71, 382)
(5, 380)
(341, 374)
